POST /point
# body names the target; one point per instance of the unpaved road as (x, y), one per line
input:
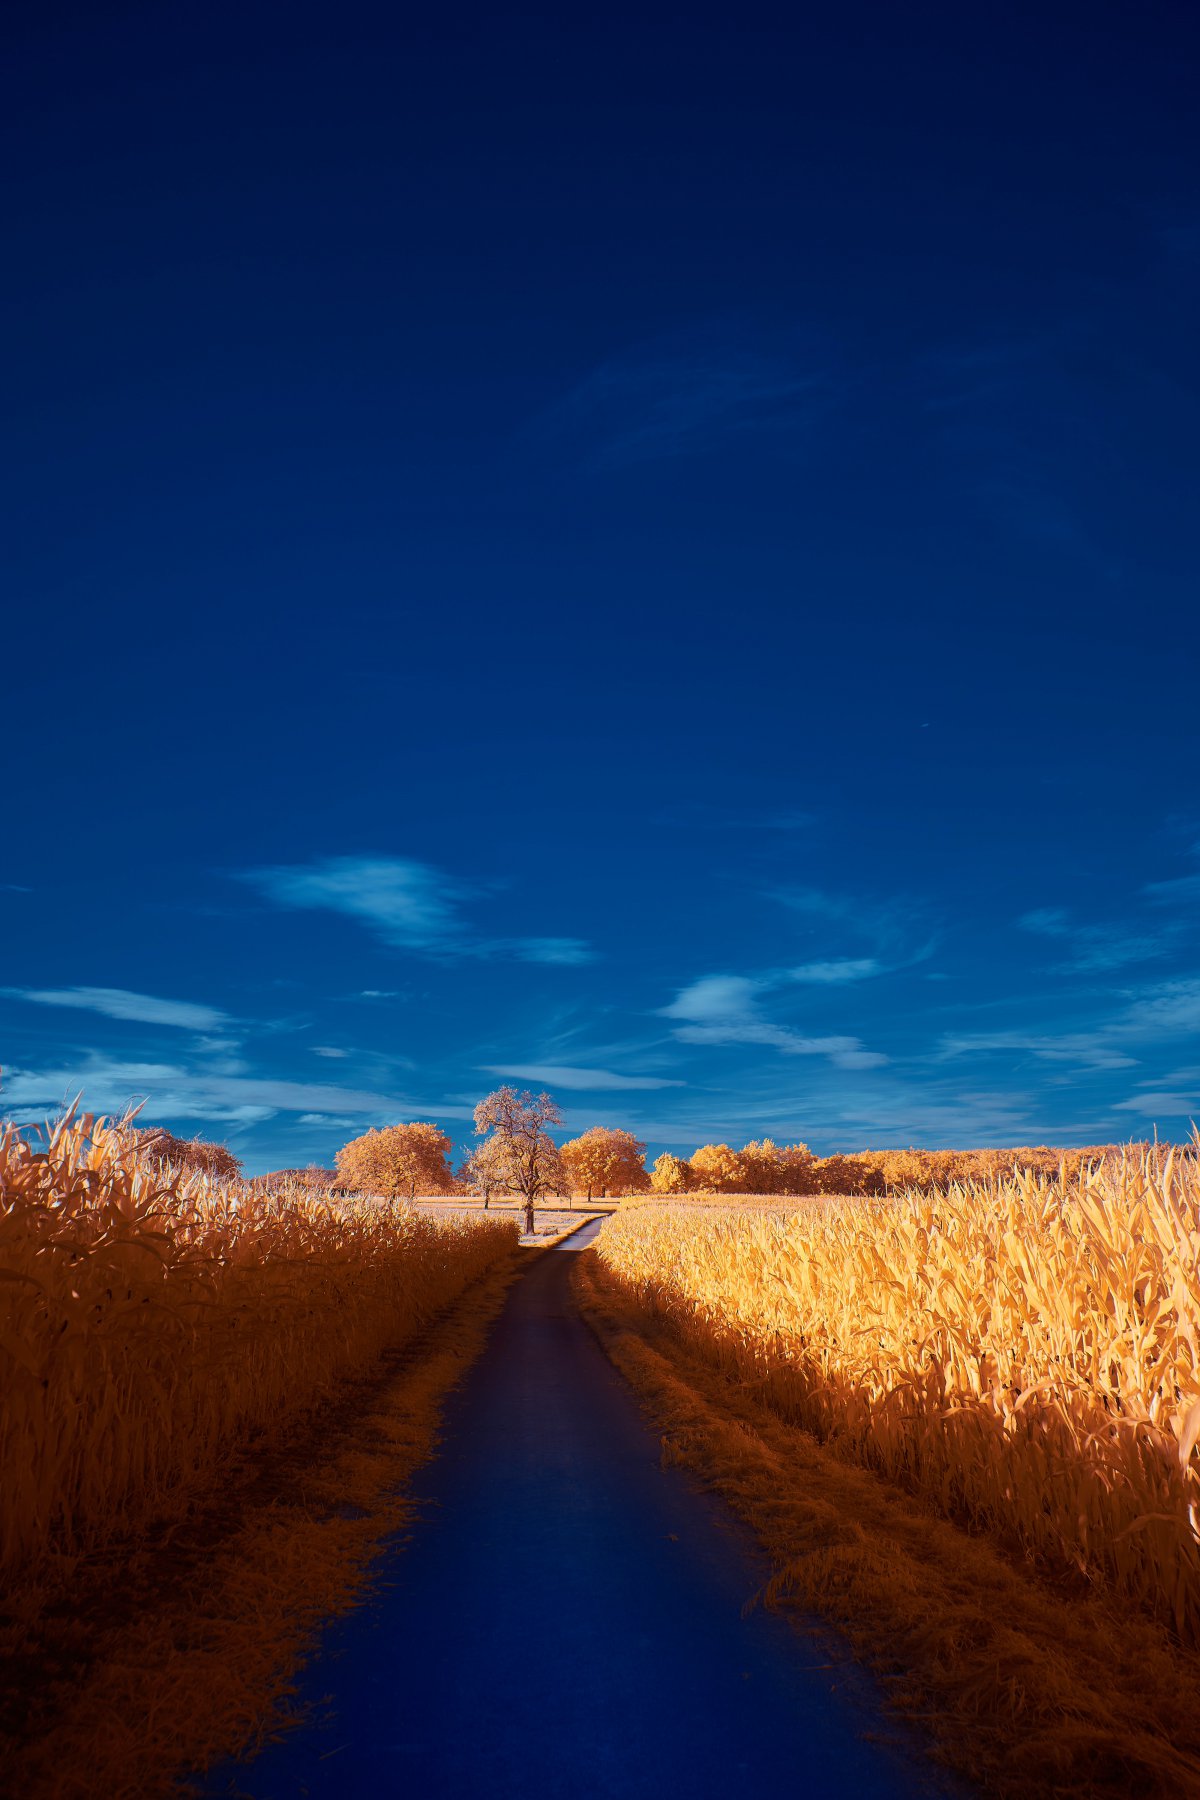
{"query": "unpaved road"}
(567, 1619)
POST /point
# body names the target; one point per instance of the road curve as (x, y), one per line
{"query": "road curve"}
(567, 1618)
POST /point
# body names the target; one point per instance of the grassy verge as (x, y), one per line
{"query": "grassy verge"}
(1032, 1689)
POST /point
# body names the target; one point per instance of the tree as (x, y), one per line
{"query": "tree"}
(671, 1175)
(760, 1166)
(523, 1148)
(606, 1161)
(718, 1170)
(483, 1171)
(398, 1159)
(798, 1170)
(838, 1175)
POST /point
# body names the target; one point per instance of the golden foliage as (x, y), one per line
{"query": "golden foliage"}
(718, 1170)
(397, 1159)
(606, 1161)
(485, 1169)
(670, 1175)
(770, 1168)
(1024, 1354)
(151, 1319)
(519, 1145)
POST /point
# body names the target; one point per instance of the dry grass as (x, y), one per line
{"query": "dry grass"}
(210, 1403)
(1025, 1355)
(150, 1320)
(177, 1649)
(1037, 1690)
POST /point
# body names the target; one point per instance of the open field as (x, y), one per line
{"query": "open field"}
(550, 1222)
(935, 1410)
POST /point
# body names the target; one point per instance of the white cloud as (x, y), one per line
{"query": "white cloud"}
(173, 1092)
(408, 904)
(119, 1003)
(723, 1009)
(328, 1050)
(846, 968)
(1170, 1009)
(1162, 1105)
(1097, 947)
(715, 997)
(563, 1076)
(1082, 1048)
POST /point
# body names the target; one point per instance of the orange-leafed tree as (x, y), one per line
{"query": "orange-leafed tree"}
(718, 1169)
(838, 1175)
(770, 1168)
(605, 1161)
(514, 1127)
(396, 1160)
(798, 1170)
(671, 1175)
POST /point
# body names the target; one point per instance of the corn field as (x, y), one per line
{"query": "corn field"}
(1024, 1354)
(152, 1321)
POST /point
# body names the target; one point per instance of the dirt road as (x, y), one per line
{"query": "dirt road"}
(567, 1619)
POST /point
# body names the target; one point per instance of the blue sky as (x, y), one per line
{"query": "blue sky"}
(647, 556)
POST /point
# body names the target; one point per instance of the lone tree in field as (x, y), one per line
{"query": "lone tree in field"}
(397, 1160)
(520, 1144)
(606, 1161)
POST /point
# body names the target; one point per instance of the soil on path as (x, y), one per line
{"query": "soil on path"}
(567, 1619)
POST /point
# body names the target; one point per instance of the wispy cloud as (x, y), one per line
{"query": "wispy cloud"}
(1171, 1009)
(120, 1003)
(1156, 1104)
(683, 395)
(725, 1010)
(897, 928)
(1181, 891)
(1092, 948)
(1080, 1048)
(408, 904)
(329, 1050)
(559, 1075)
(538, 949)
(841, 969)
(175, 1092)
(1148, 1018)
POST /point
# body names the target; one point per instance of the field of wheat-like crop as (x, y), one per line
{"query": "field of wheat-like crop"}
(1025, 1354)
(151, 1322)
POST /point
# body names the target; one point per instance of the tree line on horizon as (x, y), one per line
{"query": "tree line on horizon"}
(517, 1156)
